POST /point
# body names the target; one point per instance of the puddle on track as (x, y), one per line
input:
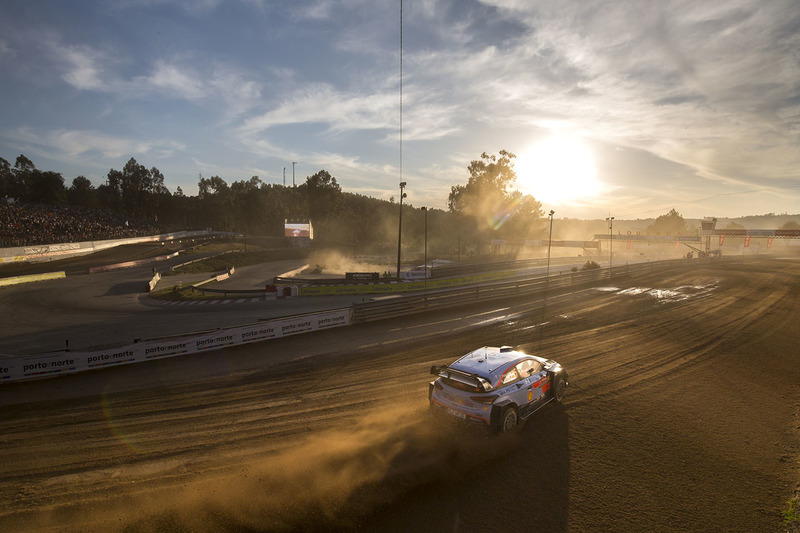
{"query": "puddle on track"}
(677, 294)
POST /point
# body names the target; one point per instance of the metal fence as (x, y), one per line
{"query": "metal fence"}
(395, 306)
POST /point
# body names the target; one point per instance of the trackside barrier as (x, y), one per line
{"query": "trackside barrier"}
(129, 264)
(220, 277)
(406, 286)
(152, 284)
(418, 303)
(49, 252)
(173, 267)
(61, 363)
(16, 280)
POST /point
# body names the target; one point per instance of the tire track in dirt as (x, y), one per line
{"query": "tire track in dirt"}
(339, 441)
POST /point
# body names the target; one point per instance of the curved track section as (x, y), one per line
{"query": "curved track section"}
(681, 415)
(110, 308)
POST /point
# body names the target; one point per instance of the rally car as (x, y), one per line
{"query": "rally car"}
(496, 387)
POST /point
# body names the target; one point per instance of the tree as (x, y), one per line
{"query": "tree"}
(245, 196)
(82, 192)
(670, 224)
(46, 187)
(321, 193)
(135, 182)
(733, 225)
(23, 175)
(215, 201)
(485, 190)
(790, 225)
(212, 186)
(6, 179)
(488, 203)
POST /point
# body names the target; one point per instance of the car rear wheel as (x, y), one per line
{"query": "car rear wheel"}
(559, 390)
(509, 421)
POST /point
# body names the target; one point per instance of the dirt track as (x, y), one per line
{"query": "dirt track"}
(682, 415)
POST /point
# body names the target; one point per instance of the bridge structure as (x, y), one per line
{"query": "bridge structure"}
(709, 234)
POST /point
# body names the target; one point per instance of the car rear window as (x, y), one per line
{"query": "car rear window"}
(461, 386)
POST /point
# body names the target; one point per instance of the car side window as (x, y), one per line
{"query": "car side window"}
(528, 367)
(511, 376)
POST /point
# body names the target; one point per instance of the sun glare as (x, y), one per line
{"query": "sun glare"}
(557, 170)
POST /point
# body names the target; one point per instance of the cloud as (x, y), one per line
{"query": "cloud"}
(6, 52)
(322, 103)
(177, 81)
(234, 87)
(61, 144)
(83, 67)
(699, 85)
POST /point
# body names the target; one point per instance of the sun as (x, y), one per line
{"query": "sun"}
(557, 170)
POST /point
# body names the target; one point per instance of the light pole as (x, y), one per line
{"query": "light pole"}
(610, 240)
(549, 242)
(400, 231)
(293, 164)
(425, 254)
(284, 176)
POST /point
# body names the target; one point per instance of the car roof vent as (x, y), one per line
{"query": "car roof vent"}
(506, 349)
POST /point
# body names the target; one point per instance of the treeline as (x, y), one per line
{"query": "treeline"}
(249, 206)
(485, 209)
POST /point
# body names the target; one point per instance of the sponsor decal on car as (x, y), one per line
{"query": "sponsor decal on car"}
(455, 413)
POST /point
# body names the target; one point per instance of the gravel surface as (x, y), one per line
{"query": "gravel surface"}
(681, 415)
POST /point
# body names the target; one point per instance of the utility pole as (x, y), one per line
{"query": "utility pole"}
(284, 176)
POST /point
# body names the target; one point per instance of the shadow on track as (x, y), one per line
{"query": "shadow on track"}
(473, 482)
(393, 471)
(128, 287)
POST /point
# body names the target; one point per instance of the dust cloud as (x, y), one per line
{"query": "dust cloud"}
(336, 263)
(330, 480)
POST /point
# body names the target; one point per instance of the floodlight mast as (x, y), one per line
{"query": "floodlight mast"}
(400, 231)
(610, 240)
(425, 254)
(549, 241)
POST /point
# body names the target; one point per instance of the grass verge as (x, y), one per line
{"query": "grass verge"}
(791, 515)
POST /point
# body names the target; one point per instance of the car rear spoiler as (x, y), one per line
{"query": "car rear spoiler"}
(473, 380)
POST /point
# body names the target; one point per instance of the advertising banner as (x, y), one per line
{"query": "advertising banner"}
(166, 348)
(362, 276)
(50, 365)
(298, 229)
(70, 362)
(117, 356)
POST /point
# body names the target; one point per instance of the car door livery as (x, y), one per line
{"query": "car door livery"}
(533, 386)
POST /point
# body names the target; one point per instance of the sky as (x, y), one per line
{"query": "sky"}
(613, 108)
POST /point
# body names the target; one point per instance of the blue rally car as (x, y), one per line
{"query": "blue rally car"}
(496, 387)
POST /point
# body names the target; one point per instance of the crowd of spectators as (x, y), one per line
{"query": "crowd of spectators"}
(24, 224)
